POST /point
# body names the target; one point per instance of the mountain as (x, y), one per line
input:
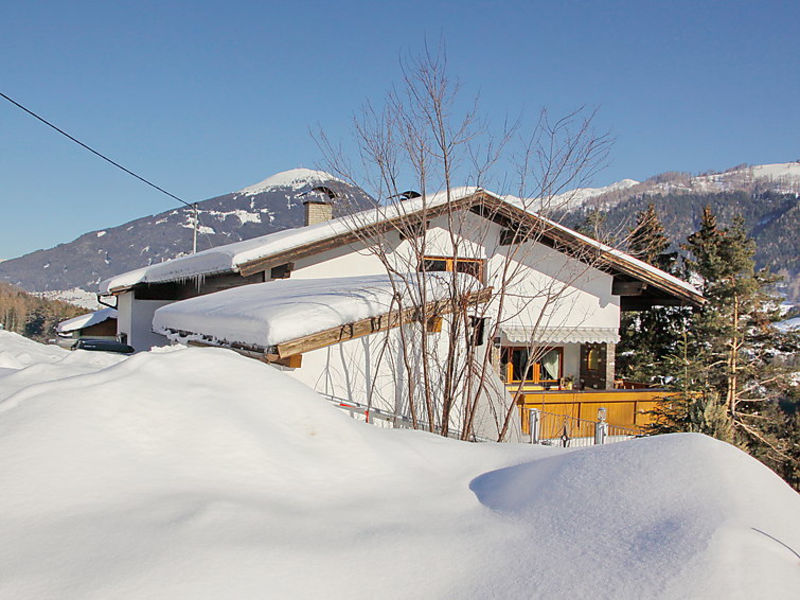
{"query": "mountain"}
(767, 197)
(778, 178)
(75, 268)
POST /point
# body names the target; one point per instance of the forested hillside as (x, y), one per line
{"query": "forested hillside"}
(32, 316)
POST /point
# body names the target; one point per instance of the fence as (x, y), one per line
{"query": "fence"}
(382, 418)
(553, 429)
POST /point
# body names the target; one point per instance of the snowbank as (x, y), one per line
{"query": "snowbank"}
(197, 473)
(17, 352)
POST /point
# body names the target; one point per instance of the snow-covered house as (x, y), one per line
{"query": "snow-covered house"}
(320, 300)
(98, 324)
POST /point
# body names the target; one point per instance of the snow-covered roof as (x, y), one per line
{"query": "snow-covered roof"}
(231, 257)
(87, 320)
(266, 314)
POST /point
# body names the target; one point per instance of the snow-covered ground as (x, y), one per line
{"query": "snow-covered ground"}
(77, 296)
(197, 473)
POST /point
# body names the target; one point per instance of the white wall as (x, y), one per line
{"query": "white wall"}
(135, 318)
(370, 371)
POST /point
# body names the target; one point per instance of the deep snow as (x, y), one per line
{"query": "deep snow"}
(197, 473)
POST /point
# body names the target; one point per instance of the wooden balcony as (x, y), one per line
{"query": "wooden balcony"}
(624, 407)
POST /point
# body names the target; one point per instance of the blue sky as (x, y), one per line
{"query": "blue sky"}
(204, 98)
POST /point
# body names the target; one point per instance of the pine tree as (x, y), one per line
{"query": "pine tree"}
(727, 377)
(646, 337)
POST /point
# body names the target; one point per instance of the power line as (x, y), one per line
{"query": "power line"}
(95, 152)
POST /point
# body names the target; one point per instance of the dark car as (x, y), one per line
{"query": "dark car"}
(102, 345)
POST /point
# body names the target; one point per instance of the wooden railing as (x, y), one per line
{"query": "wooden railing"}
(629, 408)
(553, 429)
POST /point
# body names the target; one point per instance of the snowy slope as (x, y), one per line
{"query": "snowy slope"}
(786, 325)
(269, 206)
(782, 178)
(294, 179)
(579, 197)
(197, 473)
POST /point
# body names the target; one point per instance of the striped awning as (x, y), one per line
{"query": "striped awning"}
(560, 335)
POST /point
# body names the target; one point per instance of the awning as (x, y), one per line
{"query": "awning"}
(560, 335)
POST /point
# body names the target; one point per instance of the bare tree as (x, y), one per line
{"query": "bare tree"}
(425, 137)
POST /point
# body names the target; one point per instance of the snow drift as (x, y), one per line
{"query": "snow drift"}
(198, 473)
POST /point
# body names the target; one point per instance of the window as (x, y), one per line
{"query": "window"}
(470, 266)
(477, 327)
(593, 359)
(547, 369)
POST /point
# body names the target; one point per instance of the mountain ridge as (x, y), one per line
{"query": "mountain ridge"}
(766, 194)
(270, 205)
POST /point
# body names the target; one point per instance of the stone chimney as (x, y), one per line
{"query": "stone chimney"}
(317, 211)
(317, 203)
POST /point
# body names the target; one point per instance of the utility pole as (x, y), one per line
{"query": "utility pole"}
(196, 225)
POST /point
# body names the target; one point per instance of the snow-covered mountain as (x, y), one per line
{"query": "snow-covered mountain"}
(781, 178)
(296, 180)
(267, 206)
(275, 203)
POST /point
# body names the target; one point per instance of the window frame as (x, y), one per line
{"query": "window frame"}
(451, 265)
(535, 367)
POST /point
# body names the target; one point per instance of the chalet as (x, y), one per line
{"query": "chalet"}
(332, 302)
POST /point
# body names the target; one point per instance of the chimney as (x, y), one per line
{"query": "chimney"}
(317, 203)
(317, 211)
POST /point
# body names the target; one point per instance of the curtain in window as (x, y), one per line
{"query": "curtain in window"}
(550, 365)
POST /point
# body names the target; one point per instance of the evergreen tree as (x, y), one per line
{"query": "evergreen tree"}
(646, 337)
(728, 377)
(593, 224)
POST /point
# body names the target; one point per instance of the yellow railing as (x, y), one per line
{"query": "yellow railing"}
(625, 408)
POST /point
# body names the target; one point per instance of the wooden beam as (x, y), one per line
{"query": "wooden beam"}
(370, 325)
(622, 287)
(295, 361)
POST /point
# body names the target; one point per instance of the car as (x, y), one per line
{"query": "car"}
(102, 345)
